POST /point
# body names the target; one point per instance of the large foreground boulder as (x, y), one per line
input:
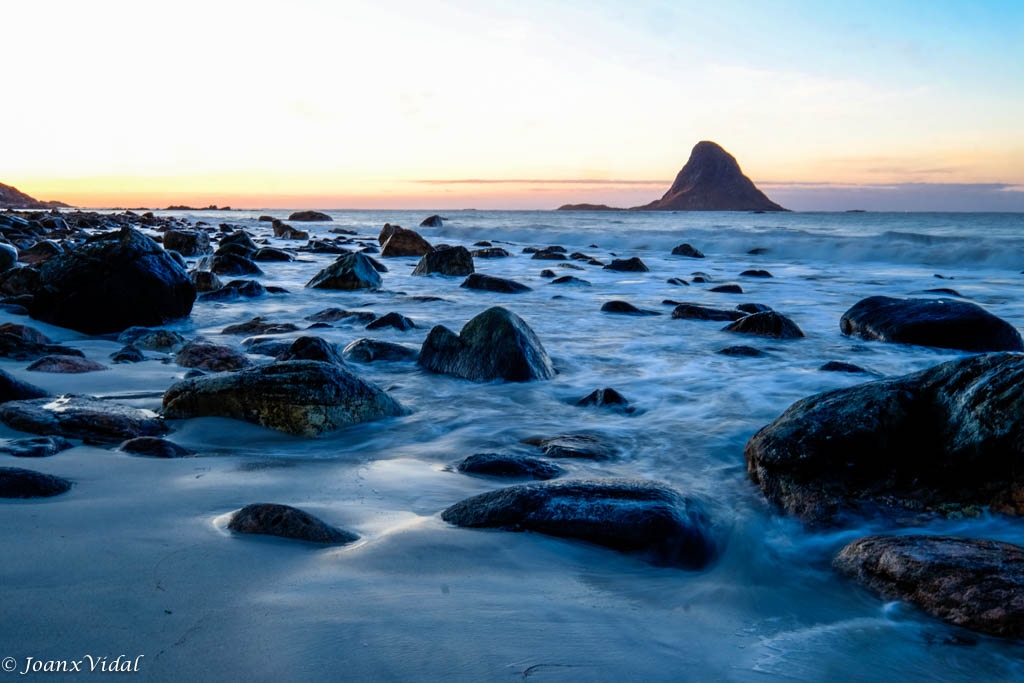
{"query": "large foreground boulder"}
(945, 323)
(349, 271)
(301, 397)
(497, 344)
(273, 519)
(973, 583)
(81, 417)
(641, 517)
(446, 260)
(946, 440)
(112, 282)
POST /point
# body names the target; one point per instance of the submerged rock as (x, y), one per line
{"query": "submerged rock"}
(840, 366)
(36, 447)
(16, 482)
(272, 519)
(496, 344)
(112, 282)
(649, 519)
(333, 315)
(973, 583)
(697, 312)
(80, 417)
(944, 323)
(569, 280)
(445, 260)
(509, 466)
(946, 440)
(154, 447)
(768, 324)
(744, 351)
(606, 398)
(626, 308)
(301, 397)
(349, 271)
(494, 284)
(573, 446)
(369, 350)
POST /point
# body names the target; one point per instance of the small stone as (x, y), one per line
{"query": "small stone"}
(154, 447)
(272, 519)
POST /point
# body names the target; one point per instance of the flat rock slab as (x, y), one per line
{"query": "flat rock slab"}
(974, 583)
(508, 466)
(81, 417)
(301, 397)
(284, 521)
(944, 323)
(649, 519)
(16, 482)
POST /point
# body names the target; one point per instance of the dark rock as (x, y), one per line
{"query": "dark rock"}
(12, 389)
(508, 466)
(446, 261)
(349, 271)
(231, 249)
(497, 344)
(8, 257)
(266, 346)
(20, 342)
(711, 180)
(548, 255)
(743, 351)
(972, 583)
(630, 265)
(162, 341)
(755, 273)
(606, 398)
(640, 517)
(272, 254)
(127, 354)
(490, 252)
(187, 242)
(580, 256)
(333, 315)
(206, 355)
(758, 251)
(266, 219)
(259, 326)
(80, 417)
(236, 289)
(945, 323)
(490, 283)
(403, 242)
(624, 307)
(395, 320)
(232, 264)
(308, 216)
(36, 447)
(312, 348)
(39, 253)
(19, 281)
(284, 521)
(687, 250)
(323, 247)
(695, 312)
(432, 222)
(301, 397)
(945, 290)
(386, 233)
(570, 280)
(726, 289)
(482, 243)
(205, 281)
(113, 282)
(574, 446)
(16, 482)
(154, 447)
(64, 365)
(547, 272)
(369, 350)
(769, 324)
(678, 281)
(945, 440)
(570, 266)
(839, 366)
(753, 308)
(701, 278)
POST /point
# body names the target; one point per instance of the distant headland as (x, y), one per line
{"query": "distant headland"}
(711, 180)
(12, 198)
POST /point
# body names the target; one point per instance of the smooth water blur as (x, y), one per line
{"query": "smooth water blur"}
(771, 605)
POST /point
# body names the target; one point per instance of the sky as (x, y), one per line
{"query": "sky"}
(517, 105)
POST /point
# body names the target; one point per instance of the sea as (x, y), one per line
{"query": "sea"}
(137, 559)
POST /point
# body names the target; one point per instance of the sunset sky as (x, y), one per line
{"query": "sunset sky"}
(518, 104)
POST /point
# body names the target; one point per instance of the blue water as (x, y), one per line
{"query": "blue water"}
(419, 600)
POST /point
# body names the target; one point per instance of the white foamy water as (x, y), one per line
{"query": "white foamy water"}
(135, 558)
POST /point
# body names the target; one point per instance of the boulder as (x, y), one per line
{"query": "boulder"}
(80, 417)
(205, 281)
(231, 264)
(16, 482)
(755, 273)
(947, 440)
(434, 221)
(241, 238)
(972, 583)
(725, 289)
(36, 447)
(301, 397)
(272, 254)
(112, 282)
(624, 307)
(490, 252)
(768, 324)
(12, 389)
(206, 355)
(508, 466)
(446, 261)
(312, 348)
(309, 216)
(127, 354)
(496, 344)
(630, 265)
(187, 242)
(697, 312)
(369, 350)
(944, 323)
(688, 251)
(162, 341)
(62, 364)
(742, 351)
(649, 519)
(489, 283)
(349, 271)
(272, 519)
(403, 242)
(154, 447)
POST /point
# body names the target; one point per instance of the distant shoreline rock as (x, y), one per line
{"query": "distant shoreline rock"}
(13, 198)
(589, 207)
